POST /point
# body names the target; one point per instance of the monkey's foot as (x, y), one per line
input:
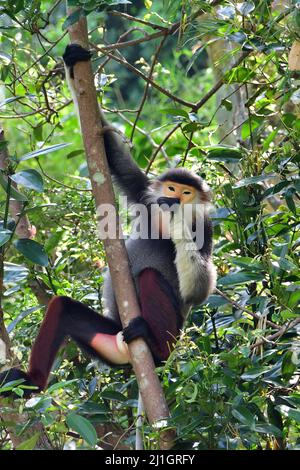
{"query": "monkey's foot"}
(15, 378)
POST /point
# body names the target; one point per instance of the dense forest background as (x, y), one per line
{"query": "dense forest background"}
(196, 83)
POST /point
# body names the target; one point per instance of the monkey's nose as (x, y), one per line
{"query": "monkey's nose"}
(168, 202)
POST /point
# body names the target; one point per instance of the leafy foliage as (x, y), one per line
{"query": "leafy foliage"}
(233, 381)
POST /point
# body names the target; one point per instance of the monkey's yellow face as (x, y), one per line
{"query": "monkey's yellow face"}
(183, 192)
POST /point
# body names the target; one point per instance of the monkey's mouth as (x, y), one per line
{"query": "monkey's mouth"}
(168, 202)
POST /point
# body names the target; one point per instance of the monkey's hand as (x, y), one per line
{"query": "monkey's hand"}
(137, 328)
(75, 53)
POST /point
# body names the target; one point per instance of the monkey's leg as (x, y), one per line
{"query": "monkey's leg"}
(66, 317)
(161, 321)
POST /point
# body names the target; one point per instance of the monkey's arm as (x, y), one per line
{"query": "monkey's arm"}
(131, 180)
(160, 321)
(128, 176)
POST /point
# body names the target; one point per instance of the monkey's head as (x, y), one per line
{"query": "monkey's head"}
(180, 186)
(178, 191)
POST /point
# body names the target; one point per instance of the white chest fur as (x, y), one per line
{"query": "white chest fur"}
(197, 274)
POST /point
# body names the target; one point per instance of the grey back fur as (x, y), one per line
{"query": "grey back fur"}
(156, 254)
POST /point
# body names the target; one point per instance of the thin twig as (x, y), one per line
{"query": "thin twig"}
(39, 59)
(219, 84)
(171, 132)
(134, 42)
(143, 76)
(147, 85)
(240, 307)
(60, 183)
(189, 145)
(277, 335)
(143, 132)
(137, 20)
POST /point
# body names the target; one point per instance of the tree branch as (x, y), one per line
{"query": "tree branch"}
(143, 76)
(278, 334)
(246, 310)
(142, 361)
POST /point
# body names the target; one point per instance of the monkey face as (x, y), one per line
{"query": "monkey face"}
(184, 193)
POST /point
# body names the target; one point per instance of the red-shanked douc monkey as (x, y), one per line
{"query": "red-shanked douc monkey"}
(171, 274)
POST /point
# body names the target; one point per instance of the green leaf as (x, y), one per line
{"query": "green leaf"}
(73, 18)
(30, 443)
(224, 153)
(5, 235)
(240, 278)
(5, 58)
(14, 194)
(21, 316)
(31, 179)
(267, 428)
(276, 188)
(239, 75)
(92, 408)
(254, 373)
(14, 273)
(247, 262)
(32, 250)
(13, 385)
(38, 153)
(38, 132)
(10, 100)
(288, 366)
(75, 153)
(113, 395)
(227, 104)
(226, 12)
(192, 127)
(245, 8)
(253, 180)
(191, 391)
(60, 385)
(250, 125)
(83, 427)
(53, 240)
(244, 416)
(176, 112)
(290, 412)
(290, 200)
(215, 301)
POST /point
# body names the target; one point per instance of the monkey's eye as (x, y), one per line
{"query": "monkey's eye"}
(187, 192)
(171, 188)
